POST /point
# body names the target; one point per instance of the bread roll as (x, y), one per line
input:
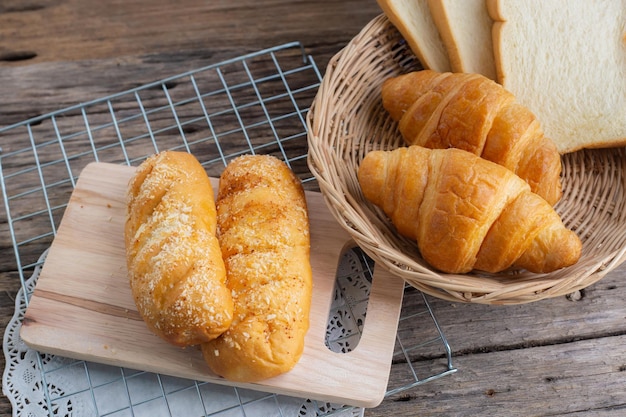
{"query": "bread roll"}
(175, 266)
(263, 230)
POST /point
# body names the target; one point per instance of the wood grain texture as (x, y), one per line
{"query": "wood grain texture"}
(556, 357)
(82, 305)
(65, 30)
(524, 382)
(57, 53)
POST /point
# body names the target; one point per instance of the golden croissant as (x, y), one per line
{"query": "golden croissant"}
(175, 266)
(474, 113)
(466, 212)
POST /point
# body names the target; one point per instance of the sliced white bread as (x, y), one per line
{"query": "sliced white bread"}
(465, 28)
(413, 20)
(566, 61)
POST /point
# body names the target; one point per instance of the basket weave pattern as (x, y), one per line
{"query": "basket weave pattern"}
(347, 120)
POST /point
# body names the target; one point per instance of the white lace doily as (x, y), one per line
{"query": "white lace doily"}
(39, 384)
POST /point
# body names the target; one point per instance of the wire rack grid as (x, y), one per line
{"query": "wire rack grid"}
(255, 103)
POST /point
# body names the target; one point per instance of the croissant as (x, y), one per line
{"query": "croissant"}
(466, 212)
(176, 272)
(474, 113)
(263, 229)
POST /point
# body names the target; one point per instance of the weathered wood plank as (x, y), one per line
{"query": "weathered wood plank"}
(571, 350)
(585, 377)
(601, 311)
(63, 30)
(472, 328)
(52, 86)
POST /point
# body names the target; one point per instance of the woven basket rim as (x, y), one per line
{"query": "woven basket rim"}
(347, 109)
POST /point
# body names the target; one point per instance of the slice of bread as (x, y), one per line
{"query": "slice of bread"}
(465, 28)
(566, 61)
(413, 20)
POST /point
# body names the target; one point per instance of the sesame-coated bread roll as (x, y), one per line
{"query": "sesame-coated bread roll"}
(263, 230)
(175, 266)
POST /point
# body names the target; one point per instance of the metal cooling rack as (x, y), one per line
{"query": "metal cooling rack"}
(255, 103)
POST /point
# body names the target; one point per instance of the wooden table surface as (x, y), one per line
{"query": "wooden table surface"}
(557, 357)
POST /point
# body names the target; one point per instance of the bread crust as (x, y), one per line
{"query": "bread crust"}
(174, 262)
(465, 28)
(263, 230)
(413, 20)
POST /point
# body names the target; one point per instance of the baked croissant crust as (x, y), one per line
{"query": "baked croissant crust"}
(263, 229)
(466, 212)
(474, 113)
(175, 265)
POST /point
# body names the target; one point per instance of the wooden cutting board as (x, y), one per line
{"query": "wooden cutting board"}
(82, 306)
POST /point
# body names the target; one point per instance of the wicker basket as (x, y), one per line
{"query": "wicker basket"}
(347, 120)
